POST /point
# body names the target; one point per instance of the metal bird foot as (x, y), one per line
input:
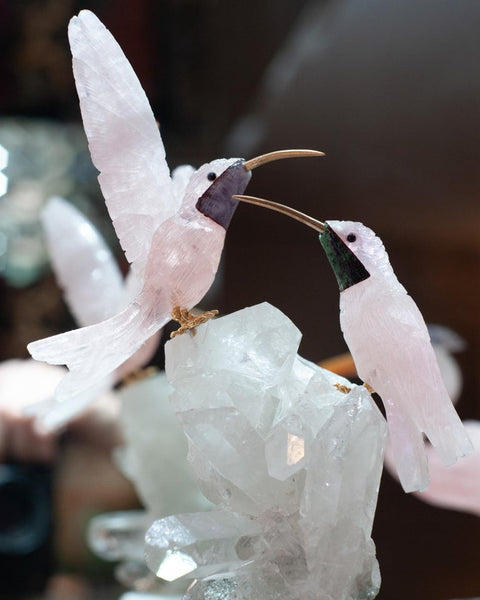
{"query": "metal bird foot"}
(188, 320)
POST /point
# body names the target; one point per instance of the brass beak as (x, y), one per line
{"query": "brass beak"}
(286, 210)
(253, 163)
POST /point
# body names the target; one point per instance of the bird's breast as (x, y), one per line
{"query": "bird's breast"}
(184, 258)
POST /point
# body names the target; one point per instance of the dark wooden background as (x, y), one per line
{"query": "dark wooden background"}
(391, 92)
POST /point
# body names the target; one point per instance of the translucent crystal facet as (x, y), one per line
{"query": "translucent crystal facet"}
(198, 545)
(154, 458)
(118, 535)
(291, 455)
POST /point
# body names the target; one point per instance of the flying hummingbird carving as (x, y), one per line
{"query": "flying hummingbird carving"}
(389, 341)
(170, 226)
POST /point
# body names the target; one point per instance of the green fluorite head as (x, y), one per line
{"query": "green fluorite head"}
(346, 266)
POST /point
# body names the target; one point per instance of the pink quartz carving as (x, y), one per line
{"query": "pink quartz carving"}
(94, 289)
(25, 382)
(88, 273)
(174, 249)
(390, 344)
(456, 487)
(83, 264)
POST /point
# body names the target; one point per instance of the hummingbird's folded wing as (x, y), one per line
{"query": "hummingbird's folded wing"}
(83, 263)
(123, 137)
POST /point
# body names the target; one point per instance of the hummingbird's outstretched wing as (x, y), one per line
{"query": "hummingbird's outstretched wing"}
(94, 290)
(83, 263)
(123, 138)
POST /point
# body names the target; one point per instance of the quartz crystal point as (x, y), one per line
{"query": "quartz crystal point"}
(290, 453)
(114, 536)
(391, 347)
(154, 456)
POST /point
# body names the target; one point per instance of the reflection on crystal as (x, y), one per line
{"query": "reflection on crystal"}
(113, 536)
(285, 448)
(176, 564)
(200, 544)
(135, 575)
(293, 464)
(295, 449)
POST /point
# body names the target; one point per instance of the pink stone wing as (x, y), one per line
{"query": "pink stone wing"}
(123, 137)
(82, 262)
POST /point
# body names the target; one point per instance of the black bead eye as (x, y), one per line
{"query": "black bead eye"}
(351, 237)
(211, 176)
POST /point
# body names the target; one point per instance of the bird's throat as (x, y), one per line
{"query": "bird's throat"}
(347, 267)
(217, 202)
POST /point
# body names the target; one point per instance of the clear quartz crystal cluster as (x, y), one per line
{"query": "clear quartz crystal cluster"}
(154, 458)
(290, 454)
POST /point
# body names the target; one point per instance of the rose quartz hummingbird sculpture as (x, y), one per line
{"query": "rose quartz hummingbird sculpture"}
(390, 344)
(172, 228)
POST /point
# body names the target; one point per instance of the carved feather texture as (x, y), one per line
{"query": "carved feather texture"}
(174, 249)
(83, 263)
(391, 347)
(94, 290)
(123, 137)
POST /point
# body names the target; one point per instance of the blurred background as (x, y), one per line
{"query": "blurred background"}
(389, 90)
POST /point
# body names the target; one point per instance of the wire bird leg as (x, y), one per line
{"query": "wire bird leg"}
(188, 320)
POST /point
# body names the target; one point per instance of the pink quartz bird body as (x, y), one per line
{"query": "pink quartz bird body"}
(390, 344)
(456, 487)
(172, 228)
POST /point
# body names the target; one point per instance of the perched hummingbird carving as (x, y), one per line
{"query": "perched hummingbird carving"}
(389, 341)
(171, 227)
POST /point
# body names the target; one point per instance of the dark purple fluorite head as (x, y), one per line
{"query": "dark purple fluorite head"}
(217, 202)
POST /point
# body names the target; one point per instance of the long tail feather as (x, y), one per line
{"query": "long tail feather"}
(93, 352)
(80, 347)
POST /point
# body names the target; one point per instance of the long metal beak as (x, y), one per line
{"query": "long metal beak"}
(286, 210)
(253, 163)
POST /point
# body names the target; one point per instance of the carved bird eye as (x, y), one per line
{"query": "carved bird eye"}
(211, 176)
(351, 237)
